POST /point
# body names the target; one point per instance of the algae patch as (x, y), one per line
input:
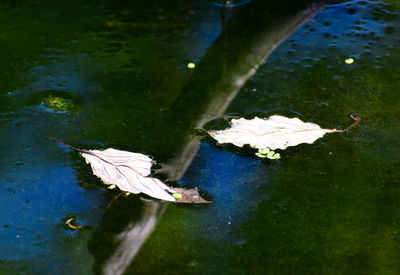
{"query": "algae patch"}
(57, 103)
(54, 101)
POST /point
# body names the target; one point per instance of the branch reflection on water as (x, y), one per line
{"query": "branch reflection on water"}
(132, 238)
(247, 40)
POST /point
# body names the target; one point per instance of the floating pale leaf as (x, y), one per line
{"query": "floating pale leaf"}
(130, 172)
(276, 132)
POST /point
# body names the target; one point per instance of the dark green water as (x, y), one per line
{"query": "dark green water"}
(120, 68)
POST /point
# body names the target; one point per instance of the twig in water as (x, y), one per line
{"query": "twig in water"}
(70, 225)
(357, 120)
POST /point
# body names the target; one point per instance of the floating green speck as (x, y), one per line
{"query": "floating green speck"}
(264, 151)
(177, 196)
(191, 65)
(349, 60)
(267, 153)
(260, 155)
(270, 154)
(112, 186)
(276, 156)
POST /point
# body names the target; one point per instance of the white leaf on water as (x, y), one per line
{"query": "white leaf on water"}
(129, 171)
(276, 132)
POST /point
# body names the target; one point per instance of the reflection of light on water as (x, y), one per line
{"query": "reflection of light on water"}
(230, 3)
(236, 185)
(132, 238)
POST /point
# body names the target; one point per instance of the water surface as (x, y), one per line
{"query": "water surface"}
(330, 207)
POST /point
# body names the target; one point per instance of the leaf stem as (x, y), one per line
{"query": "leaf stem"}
(357, 120)
(65, 144)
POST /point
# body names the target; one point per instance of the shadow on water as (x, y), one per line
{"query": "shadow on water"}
(123, 232)
(113, 74)
(233, 58)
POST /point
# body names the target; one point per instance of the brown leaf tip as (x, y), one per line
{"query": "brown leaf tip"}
(190, 196)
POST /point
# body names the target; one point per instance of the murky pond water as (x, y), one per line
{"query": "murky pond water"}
(114, 74)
